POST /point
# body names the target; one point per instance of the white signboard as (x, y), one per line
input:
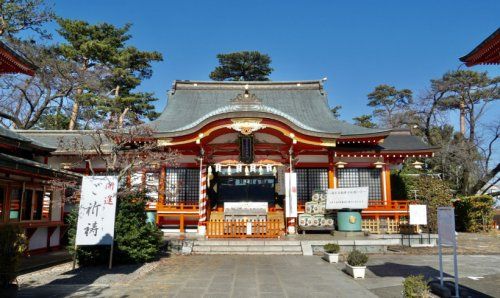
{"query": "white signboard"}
(96, 216)
(291, 200)
(446, 225)
(347, 198)
(248, 206)
(418, 214)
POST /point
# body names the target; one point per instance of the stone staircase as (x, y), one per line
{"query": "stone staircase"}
(247, 247)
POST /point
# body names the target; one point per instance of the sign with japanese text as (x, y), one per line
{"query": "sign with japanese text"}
(446, 225)
(347, 198)
(291, 194)
(418, 214)
(96, 215)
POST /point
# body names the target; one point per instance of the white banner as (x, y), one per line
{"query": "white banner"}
(418, 214)
(96, 216)
(446, 225)
(291, 201)
(347, 198)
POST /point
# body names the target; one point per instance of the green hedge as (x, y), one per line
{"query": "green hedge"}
(474, 213)
(135, 240)
(431, 191)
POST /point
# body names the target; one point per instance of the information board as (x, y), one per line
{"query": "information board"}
(446, 225)
(291, 199)
(418, 214)
(347, 198)
(245, 208)
(96, 214)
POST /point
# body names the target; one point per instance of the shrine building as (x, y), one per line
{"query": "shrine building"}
(29, 194)
(237, 140)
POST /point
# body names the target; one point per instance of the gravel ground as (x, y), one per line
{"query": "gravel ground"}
(468, 244)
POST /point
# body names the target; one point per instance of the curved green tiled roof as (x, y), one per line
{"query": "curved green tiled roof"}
(303, 104)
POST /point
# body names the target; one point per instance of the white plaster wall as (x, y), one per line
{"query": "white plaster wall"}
(186, 159)
(39, 239)
(313, 158)
(356, 159)
(54, 239)
(226, 138)
(56, 205)
(267, 138)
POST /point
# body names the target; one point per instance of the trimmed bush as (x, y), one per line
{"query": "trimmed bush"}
(331, 248)
(357, 258)
(431, 191)
(13, 243)
(415, 286)
(135, 240)
(474, 213)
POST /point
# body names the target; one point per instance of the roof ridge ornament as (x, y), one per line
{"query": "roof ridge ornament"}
(246, 99)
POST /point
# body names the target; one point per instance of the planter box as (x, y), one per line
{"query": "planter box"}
(355, 271)
(331, 258)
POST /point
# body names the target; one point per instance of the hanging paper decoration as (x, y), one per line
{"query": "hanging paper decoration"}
(253, 168)
(238, 168)
(269, 168)
(247, 171)
(275, 171)
(261, 170)
(229, 170)
(218, 167)
(210, 176)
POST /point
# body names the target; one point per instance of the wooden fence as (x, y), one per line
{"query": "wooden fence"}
(385, 225)
(243, 229)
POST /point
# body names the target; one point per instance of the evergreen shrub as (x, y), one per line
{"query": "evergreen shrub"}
(415, 286)
(357, 258)
(13, 243)
(135, 241)
(474, 213)
(331, 248)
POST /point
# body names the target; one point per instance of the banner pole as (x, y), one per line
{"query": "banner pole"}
(111, 254)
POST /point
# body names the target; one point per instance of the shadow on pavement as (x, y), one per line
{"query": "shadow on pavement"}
(402, 270)
(429, 273)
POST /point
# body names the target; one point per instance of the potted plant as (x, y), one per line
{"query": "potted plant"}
(356, 262)
(12, 246)
(331, 254)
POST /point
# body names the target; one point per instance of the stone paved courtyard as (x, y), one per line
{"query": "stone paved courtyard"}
(260, 276)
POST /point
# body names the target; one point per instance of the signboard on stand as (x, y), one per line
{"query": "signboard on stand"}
(96, 213)
(347, 198)
(291, 194)
(418, 214)
(447, 237)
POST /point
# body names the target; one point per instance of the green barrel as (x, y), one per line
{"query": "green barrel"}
(349, 221)
(151, 217)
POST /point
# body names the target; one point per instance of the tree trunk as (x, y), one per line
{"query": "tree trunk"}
(74, 111)
(122, 118)
(462, 118)
(76, 105)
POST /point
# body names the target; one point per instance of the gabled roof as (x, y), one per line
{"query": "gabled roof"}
(26, 165)
(14, 62)
(487, 52)
(301, 104)
(27, 142)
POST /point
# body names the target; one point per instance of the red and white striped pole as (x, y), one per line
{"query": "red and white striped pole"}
(202, 203)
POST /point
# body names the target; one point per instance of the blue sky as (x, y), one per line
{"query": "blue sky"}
(355, 44)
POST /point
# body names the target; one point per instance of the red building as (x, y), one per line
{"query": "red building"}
(27, 195)
(240, 138)
(487, 52)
